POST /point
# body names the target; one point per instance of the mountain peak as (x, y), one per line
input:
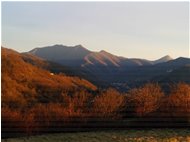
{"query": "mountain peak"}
(60, 52)
(104, 52)
(163, 59)
(81, 48)
(78, 46)
(167, 56)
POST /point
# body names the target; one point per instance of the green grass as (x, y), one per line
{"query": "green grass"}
(154, 135)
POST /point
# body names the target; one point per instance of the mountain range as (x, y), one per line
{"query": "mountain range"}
(82, 57)
(105, 69)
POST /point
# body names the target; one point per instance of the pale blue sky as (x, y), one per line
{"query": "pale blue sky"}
(130, 29)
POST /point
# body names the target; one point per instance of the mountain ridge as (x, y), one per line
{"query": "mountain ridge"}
(83, 57)
(163, 59)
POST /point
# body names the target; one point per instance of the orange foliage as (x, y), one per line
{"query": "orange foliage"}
(109, 103)
(24, 84)
(178, 102)
(146, 99)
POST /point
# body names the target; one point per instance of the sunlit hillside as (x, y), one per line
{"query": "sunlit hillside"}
(24, 83)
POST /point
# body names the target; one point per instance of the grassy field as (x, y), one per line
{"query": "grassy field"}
(153, 135)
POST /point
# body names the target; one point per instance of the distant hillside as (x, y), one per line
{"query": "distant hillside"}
(181, 74)
(64, 55)
(61, 52)
(50, 66)
(80, 56)
(103, 68)
(24, 79)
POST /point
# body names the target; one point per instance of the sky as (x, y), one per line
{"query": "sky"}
(147, 30)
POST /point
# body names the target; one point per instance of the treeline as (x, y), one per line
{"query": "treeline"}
(82, 108)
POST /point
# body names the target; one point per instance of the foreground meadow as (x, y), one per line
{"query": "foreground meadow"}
(138, 135)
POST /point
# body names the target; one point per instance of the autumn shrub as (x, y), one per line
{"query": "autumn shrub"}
(41, 116)
(146, 99)
(108, 104)
(29, 124)
(11, 95)
(47, 116)
(79, 108)
(81, 102)
(177, 103)
(50, 115)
